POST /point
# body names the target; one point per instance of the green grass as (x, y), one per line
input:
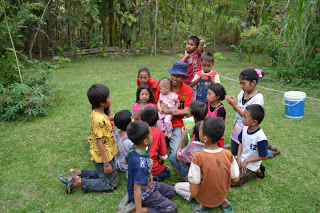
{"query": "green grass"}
(35, 153)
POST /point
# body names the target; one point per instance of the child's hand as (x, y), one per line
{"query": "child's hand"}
(239, 161)
(186, 54)
(111, 117)
(202, 75)
(183, 132)
(231, 100)
(136, 117)
(244, 166)
(107, 169)
(209, 76)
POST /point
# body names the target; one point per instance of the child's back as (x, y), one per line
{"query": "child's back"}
(215, 176)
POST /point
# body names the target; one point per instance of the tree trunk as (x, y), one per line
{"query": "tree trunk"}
(155, 29)
(111, 24)
(174, 23)
(38, 29)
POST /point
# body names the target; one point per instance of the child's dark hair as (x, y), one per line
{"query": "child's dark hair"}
(256, 111)
(150, 115)
(98, 93)
(196, 130)
(122, 119)
(218, 89)
(251, 74)
(207, 57)
(213, 128)
(144, 69)
(199, 110)
(166, 81)
(137, 131)
(195, 39)
(141, 87)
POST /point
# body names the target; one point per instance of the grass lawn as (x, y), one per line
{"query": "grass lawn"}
(34, 154)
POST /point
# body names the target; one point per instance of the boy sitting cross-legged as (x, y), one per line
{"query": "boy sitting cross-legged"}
(148, 195)
(253, 147)
(212, 169)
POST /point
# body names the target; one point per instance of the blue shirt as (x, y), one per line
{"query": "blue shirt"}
(140, 172)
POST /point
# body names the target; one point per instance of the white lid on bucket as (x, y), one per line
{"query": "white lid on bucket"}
(295, 96)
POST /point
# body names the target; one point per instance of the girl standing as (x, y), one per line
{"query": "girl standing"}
(249, 95)
(215, 94)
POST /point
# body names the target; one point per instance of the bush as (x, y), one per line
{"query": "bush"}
(29, 100)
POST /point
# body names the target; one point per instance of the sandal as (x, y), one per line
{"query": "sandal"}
(228, 209)
(127, 208)
(197, 209)
(261, 174)
(64, 181)
(70, 184)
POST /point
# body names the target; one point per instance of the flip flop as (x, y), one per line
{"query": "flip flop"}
(64, 181)
(70, 184)
(196, 209)
(228, 209)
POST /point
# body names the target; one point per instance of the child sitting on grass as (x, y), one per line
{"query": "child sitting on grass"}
(253, 145)
(122, 119)
(158, 148)
(181, 161)
(103, 148)
(145, 79)
(212, 169)
(148, 195)
(205, 77)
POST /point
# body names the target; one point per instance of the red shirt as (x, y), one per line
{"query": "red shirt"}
(194, 65)
(153, 84)
(185, 97)
(158, 148)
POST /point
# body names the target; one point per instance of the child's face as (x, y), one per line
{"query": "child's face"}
(206, 66)
(212, 97)
(165, 90)
(106, 104)
(247, 120)
(191, 46)
(144, 77)
(246, 85)
(149, 139)
(144, 96)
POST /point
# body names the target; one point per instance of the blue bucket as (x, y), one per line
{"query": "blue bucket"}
(294, 104)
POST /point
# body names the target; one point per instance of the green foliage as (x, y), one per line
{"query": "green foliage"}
(29, 100)
(61, 59)
(104, 51)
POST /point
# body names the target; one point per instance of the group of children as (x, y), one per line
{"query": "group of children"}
(139, 146)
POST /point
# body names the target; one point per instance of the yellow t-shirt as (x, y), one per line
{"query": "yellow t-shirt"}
(100, 127)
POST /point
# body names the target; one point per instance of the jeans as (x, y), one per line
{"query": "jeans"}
(180, 167)
(163, 175)
(98, 181)
(175, 139)
(159, 200)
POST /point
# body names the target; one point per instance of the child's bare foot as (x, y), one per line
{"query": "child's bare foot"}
(74, 172)
(72, 183)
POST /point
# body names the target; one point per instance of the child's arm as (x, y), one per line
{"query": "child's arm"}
(194, 177)
(196, 79)
(233, 102)
(185, 56)
(107, 166)
(182, 139)
(248, 160)
(239, 154)
(137, 197)
(201, 46)
(159, 106)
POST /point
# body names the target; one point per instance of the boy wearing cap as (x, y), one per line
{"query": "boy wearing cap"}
(178, 74)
